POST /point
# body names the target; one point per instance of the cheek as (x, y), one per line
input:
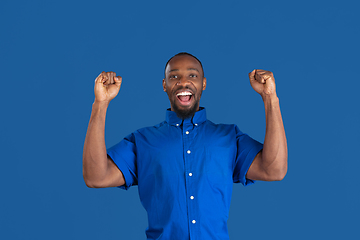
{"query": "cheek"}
(169, 91)
(168, 86)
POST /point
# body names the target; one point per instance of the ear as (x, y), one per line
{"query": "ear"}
(204, 83)
(164, 85)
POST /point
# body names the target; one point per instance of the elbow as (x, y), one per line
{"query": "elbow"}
(275, 177)
(90, 182)
(96, 182)
(280, 174)
(87, 180)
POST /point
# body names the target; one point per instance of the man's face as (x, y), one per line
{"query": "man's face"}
(184, 83)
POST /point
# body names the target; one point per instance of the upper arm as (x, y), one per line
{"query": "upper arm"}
(256, 172)
(259, 171)
(115, 177)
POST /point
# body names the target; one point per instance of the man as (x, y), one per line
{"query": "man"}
(185, 166)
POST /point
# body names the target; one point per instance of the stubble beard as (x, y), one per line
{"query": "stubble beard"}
(185, 113)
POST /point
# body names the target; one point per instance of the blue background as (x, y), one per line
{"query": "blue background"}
(51, 52)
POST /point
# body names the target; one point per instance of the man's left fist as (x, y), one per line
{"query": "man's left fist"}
(263, 82)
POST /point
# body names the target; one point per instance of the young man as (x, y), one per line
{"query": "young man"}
(185, 166)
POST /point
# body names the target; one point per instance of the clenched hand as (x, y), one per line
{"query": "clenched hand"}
(107, 86)
(263, 82)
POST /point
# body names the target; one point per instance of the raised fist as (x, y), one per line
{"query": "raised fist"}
(263, 82)
(107, 86)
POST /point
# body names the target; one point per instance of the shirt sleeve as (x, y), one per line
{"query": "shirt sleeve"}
(124, 156)
(247, 149)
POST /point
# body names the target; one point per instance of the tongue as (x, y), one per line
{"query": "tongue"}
(184, 98)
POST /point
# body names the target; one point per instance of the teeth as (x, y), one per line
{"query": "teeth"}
(184, 94)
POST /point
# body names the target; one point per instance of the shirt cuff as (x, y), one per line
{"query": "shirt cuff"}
(241, 177)
(121, 165)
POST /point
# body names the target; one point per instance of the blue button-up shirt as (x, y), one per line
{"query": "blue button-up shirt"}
(184, 170)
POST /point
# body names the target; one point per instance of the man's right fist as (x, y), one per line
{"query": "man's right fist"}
(107, 86)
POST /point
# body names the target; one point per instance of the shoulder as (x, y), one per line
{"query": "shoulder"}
(150, 129)
(220, 126)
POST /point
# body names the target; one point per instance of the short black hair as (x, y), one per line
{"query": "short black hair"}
(182, 54)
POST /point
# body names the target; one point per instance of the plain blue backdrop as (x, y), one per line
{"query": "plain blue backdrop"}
(51, 52)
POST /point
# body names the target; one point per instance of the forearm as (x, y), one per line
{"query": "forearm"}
(95, 162)
(274, 154)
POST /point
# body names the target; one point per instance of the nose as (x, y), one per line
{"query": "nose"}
(182, 81)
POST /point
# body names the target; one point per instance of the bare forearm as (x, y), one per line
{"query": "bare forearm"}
(274, 154)
(271, 163)
(95, 162)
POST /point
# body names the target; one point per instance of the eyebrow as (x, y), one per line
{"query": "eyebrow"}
(175, 70)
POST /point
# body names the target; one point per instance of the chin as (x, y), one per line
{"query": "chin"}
(184, 113)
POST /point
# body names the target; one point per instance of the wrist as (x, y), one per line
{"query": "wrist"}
(101, 104)
(270, 98)
(100, 107)
(271, 102)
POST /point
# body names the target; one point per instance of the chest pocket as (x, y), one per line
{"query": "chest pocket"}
(219, 165)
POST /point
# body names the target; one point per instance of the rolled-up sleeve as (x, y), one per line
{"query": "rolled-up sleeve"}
(124, 156)
(247, 149)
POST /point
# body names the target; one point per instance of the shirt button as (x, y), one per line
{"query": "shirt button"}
(188, 151)
(192, 197)
(187, 132)
(195, 124)
(177, 124)
(190, 174)
(193, 221)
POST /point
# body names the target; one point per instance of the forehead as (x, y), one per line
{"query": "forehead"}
(183, 62)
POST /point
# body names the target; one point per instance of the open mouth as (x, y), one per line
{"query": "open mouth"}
(184, 97)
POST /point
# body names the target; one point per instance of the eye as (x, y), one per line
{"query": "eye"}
(173, 76)
(193, 75)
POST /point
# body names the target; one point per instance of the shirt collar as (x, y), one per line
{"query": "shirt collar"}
(199, 117)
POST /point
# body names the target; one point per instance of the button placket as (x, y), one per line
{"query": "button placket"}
(188, 158)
